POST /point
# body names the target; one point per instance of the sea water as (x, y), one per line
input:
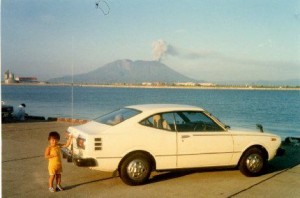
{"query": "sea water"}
(277, 110)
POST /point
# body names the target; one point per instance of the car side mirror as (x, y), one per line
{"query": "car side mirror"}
(260, 127)
(227, 127)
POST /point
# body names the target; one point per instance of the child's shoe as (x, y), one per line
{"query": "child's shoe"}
(59, 188)
(51, 189)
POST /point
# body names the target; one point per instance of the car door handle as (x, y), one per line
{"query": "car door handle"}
(185, 136)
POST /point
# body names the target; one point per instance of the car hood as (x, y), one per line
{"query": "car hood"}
(251, 133)
(90, 128)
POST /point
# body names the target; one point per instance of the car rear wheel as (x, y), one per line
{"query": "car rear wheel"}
(252, 162)
(135, 169)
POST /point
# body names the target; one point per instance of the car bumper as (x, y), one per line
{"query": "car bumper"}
(78, 161)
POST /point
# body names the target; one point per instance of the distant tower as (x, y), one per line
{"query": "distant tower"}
(9, 77)
(6, 75)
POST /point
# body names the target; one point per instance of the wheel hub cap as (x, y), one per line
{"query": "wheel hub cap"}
(136, 169)
(254, 163)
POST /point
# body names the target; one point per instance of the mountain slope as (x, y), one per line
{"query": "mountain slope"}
(127, 71)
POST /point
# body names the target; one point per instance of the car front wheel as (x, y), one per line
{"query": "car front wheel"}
(252, 162)
(135, 169)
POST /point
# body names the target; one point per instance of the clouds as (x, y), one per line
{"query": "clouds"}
(191, 37)
(210, 62)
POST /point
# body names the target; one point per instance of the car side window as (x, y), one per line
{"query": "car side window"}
(163, 121)
(117, 116)
(187, 121)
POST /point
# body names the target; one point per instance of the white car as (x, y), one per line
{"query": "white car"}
(138, 139)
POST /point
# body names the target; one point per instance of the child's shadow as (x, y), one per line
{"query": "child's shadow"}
(89, 182)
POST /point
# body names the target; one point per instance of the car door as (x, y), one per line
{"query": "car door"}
(161, 138)
(201, 142)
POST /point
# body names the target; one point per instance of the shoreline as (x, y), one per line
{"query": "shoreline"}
(217, 87)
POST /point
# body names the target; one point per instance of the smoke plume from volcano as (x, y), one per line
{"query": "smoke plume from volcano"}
(159, 48)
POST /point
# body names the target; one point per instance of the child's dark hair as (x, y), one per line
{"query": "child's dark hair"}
(54, 135)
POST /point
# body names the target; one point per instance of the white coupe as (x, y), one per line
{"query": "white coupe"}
(136, 140)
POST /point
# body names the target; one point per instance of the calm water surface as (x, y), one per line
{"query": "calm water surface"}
(278, 111)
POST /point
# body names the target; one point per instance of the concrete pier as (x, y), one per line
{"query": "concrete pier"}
(25, 174)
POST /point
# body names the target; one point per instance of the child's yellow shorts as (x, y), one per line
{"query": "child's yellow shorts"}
(53, 170)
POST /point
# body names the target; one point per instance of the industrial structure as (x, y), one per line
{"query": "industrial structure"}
(10, 78)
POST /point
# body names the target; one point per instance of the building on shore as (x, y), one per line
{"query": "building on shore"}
(26, 79)
(10, 78)
(185, 84)
(192, 84)
(206, 84)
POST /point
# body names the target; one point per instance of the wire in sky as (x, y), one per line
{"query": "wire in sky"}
(103, 6)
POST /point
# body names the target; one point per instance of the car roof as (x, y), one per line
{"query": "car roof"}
(164, 107)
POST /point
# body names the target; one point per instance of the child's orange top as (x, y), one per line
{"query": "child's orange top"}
(55, 151)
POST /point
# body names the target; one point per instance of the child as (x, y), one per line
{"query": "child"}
(53, 153)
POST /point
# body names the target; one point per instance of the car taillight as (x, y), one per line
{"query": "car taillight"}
(80, 142)
(67, 134)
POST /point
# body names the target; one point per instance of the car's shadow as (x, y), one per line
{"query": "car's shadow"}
(288, 160)
(163, 176)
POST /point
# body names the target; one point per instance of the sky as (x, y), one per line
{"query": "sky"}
(211, 40)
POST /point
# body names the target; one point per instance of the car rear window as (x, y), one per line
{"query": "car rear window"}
(117, 116)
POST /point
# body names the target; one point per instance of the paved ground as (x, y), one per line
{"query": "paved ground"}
(24, 173)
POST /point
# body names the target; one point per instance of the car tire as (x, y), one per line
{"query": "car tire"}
(253, 162)
(135, 169)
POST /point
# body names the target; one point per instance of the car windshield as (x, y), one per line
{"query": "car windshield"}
(216, 119)
(117, 116)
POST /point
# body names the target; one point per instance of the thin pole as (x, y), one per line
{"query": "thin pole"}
(72, 86)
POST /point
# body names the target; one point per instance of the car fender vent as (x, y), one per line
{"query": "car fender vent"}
(98, 144)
